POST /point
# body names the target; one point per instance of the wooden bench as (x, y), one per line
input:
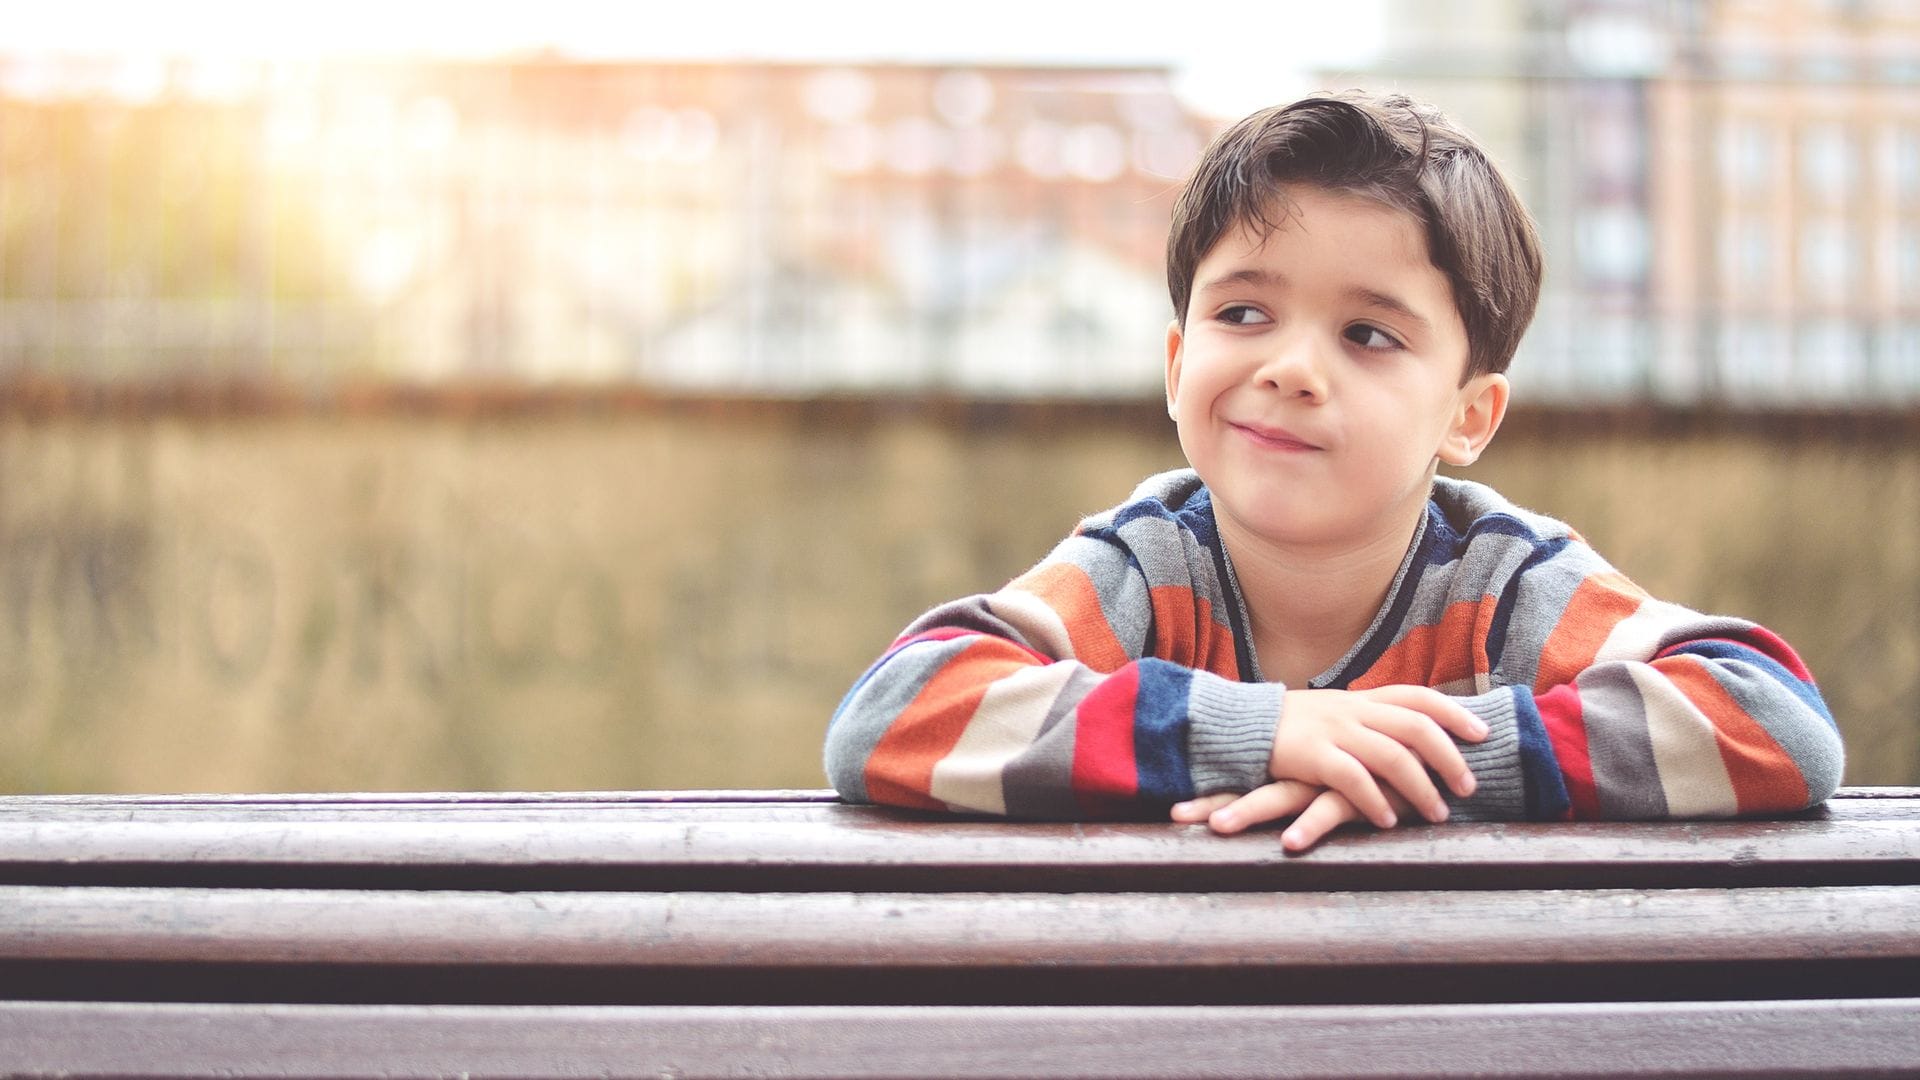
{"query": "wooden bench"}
(710, 934)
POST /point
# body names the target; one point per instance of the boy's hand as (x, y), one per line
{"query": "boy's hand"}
(1318, 811)
(1348, 741)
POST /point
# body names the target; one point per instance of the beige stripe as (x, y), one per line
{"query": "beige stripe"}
(1036, 621)
(1657, 624)
(1007, 722)
(1692, 774)
(1637, 636)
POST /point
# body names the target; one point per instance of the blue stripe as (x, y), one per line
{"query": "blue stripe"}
(1160, 731)
(1546, 789)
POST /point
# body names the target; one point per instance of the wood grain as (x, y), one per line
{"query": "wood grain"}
(1761, 1039)
(998, 931)
(802, 847)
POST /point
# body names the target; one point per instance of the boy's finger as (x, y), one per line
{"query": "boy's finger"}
(1327, 812)
(1403, 771)
(1418, 733)
(1445, 711)
(1197, 810)
(1282, 798)
(1346, 774)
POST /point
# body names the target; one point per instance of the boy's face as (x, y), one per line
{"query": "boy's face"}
(1318, 377)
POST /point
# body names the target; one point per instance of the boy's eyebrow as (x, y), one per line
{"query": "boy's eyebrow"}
(1246, 275)
(1259, 278)
(1375, 298)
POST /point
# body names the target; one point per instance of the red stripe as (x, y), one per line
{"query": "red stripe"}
(1567, 731)
(1104, 774)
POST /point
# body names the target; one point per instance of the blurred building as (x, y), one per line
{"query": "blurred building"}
(767, 228)
(1729, 189)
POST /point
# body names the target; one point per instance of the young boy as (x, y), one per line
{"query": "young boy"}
(1309, 623)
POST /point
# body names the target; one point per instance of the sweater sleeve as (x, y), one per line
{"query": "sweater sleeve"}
(1610, 704)
(1079, 690)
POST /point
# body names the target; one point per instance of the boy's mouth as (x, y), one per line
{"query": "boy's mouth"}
(1274, 438)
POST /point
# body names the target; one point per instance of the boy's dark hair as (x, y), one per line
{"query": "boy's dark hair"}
(1402, 153)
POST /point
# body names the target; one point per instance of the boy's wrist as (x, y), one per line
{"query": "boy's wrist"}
(1500, 791)
(1230, 728)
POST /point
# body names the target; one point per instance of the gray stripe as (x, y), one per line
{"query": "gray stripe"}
(870, 711)
(1546, 590)
(1437, 589)
(1155, 544)
(1038, 782)
(1618, 744)
(966, 613)
(1465, 502)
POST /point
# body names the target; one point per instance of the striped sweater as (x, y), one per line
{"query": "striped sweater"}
(1117, 677)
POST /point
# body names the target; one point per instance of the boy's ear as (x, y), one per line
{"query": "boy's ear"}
(1174, 341)
(1482, 405)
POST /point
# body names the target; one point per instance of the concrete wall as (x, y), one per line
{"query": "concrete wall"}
(676, 595)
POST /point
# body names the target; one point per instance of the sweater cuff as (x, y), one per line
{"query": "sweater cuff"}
(1230, 732)
(1500, 788)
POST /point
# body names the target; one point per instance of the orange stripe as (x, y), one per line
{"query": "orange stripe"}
(1764, 778)
(1438, 653)
(1222, 657)
(1174, 636)
(1069, 591)
(1596, 607)
(900, 769)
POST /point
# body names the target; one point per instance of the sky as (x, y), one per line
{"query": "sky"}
(1229, 58)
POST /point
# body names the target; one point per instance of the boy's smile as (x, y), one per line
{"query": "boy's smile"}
(1317, 380)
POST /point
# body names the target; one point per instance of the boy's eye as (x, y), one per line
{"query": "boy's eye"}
(1243, 315)
(1371, 337)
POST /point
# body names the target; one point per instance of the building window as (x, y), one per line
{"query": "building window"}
(1829, 360)
(1829, 257)
(1828, 163)
(1897, 362)
(1746, 254)
(1755, 360)
(1746, 157)
(1903, 259)
(1613, 244)
(1900, 161)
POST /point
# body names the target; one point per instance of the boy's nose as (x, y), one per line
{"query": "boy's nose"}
(1297, 368)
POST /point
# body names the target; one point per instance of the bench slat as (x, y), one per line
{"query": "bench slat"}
(848, 848)
(687, 797)
(1801, 1038)
(670, 795)
(880, 930)
(63, 811)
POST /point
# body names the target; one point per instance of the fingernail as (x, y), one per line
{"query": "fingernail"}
(1391, 821)
(1182, 807)
(1290, 838)
(1466, 784)
(1479, 727)
(1438, 813)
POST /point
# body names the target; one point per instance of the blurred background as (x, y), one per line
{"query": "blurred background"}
(410, 397)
